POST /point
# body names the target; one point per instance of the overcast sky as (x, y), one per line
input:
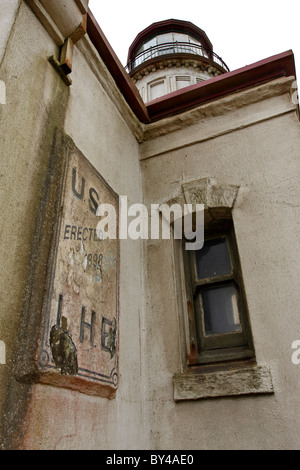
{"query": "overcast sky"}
(241, 32)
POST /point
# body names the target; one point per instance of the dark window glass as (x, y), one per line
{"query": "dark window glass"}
(213, 259)
(220, 308)
(220, 330)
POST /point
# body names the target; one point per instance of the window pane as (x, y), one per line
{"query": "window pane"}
(213, 259)
(152, 42)
(182, 82)
(180, 37)
(150, 52)
(164, 38)
(182, 43)
(157, 89)
(164, 41)
(220, 310)
(197, 48)
(194, 41)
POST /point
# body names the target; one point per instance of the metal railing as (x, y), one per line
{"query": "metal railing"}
(174, 48)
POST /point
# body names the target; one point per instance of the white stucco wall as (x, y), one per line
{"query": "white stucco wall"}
(169, 77)
(260, 156)
(250, 139)
(30, 89)
(8, 12)
(55, 418)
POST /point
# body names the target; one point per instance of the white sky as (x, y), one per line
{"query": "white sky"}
(241, 32)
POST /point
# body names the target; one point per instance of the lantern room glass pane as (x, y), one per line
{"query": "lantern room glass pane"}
(149, 52)
(181, 37)
(213, 259)
(220, 306)
(164, 38)
(165, 43)
(152, 42)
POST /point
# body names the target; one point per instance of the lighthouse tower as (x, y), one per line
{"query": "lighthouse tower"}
(170, 55)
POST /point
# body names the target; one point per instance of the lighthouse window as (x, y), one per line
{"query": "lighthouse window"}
(182, 82)
(182, 43)
(221, 329)
(157, 89)
(168, 43)
(166, 38)
(180, 37)
(148, 47)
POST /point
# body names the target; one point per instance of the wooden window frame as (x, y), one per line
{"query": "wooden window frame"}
(217, 348)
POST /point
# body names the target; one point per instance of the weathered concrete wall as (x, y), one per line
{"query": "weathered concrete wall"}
(257, 148)
(250, 140)
(9, 9)
(88, 422)
(35, 102)
(38, 101)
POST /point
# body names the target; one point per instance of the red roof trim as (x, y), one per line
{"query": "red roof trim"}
(251, 75)
(195, 95)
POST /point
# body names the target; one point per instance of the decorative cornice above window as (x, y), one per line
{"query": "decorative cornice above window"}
(197, 65)
(206, 191)
(218, 199)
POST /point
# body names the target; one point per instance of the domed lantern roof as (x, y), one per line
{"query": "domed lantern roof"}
(169, 55)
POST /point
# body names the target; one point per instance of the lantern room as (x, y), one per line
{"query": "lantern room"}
(170, 55)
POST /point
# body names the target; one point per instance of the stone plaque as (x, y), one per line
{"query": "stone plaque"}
(79, 342)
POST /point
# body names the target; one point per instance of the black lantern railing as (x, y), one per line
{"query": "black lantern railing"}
(174, 48)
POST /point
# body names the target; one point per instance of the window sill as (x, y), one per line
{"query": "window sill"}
(197, 385)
